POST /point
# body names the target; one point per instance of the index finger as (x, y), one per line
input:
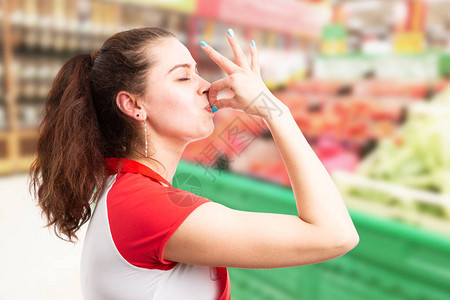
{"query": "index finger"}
(224, 63)
(216, 87)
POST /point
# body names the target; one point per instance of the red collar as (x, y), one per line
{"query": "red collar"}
(112, 165)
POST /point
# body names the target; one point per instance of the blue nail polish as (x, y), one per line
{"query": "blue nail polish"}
(214, 109)
(230, 32)
(204, 44)
(253, 43)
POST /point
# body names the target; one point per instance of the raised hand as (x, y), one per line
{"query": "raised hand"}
(245, 81)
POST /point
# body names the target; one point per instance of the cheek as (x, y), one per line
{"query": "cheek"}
(165, 103)
(176, 96)
(175, 109)
(181, 101)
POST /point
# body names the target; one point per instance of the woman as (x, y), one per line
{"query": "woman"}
(116, 123)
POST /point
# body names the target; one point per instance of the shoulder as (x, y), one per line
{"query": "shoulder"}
(132, 181)
(132, 190)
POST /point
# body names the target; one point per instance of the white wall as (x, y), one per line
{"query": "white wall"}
(34, 263)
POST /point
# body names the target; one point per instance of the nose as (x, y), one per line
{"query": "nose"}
(203, 87)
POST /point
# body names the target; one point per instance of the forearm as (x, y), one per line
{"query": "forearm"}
(317, 198)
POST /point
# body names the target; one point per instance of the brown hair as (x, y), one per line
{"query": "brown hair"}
(82, 125)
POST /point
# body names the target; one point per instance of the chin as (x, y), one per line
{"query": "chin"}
(204, 134)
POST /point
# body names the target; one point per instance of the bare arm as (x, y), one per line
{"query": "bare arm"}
(318, 200)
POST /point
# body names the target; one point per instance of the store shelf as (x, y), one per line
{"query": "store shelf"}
(17, 150)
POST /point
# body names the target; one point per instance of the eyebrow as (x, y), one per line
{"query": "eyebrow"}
(181, 66)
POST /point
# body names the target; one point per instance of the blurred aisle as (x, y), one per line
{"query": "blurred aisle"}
(35, 263)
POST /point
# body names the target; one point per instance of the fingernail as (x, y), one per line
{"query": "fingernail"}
(253, 43)
(230, 32)
(214, 109)
(204, 44)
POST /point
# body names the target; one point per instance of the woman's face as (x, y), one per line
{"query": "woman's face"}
(176, 94)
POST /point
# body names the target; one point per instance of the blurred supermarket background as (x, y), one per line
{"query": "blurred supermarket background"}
(366, 80)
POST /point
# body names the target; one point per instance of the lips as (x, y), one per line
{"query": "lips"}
(208, 107)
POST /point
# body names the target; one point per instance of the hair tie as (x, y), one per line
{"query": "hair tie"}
(94, 54)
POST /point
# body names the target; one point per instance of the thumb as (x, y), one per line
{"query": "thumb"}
(224, 103)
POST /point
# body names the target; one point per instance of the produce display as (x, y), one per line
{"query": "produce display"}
(343, 129)
(370, 87)
(417, 155)
(410, 170)
(352, 119)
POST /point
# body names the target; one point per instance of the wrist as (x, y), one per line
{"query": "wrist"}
(277, 112)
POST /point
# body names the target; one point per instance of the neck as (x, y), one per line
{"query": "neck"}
(168, 154)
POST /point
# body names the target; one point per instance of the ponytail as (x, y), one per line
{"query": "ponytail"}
(69, 160)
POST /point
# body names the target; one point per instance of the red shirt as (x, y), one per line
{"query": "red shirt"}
(129, 229)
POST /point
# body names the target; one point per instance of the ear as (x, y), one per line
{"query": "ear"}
(128, 104)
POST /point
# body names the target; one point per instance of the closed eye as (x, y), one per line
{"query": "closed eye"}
(183, 79)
